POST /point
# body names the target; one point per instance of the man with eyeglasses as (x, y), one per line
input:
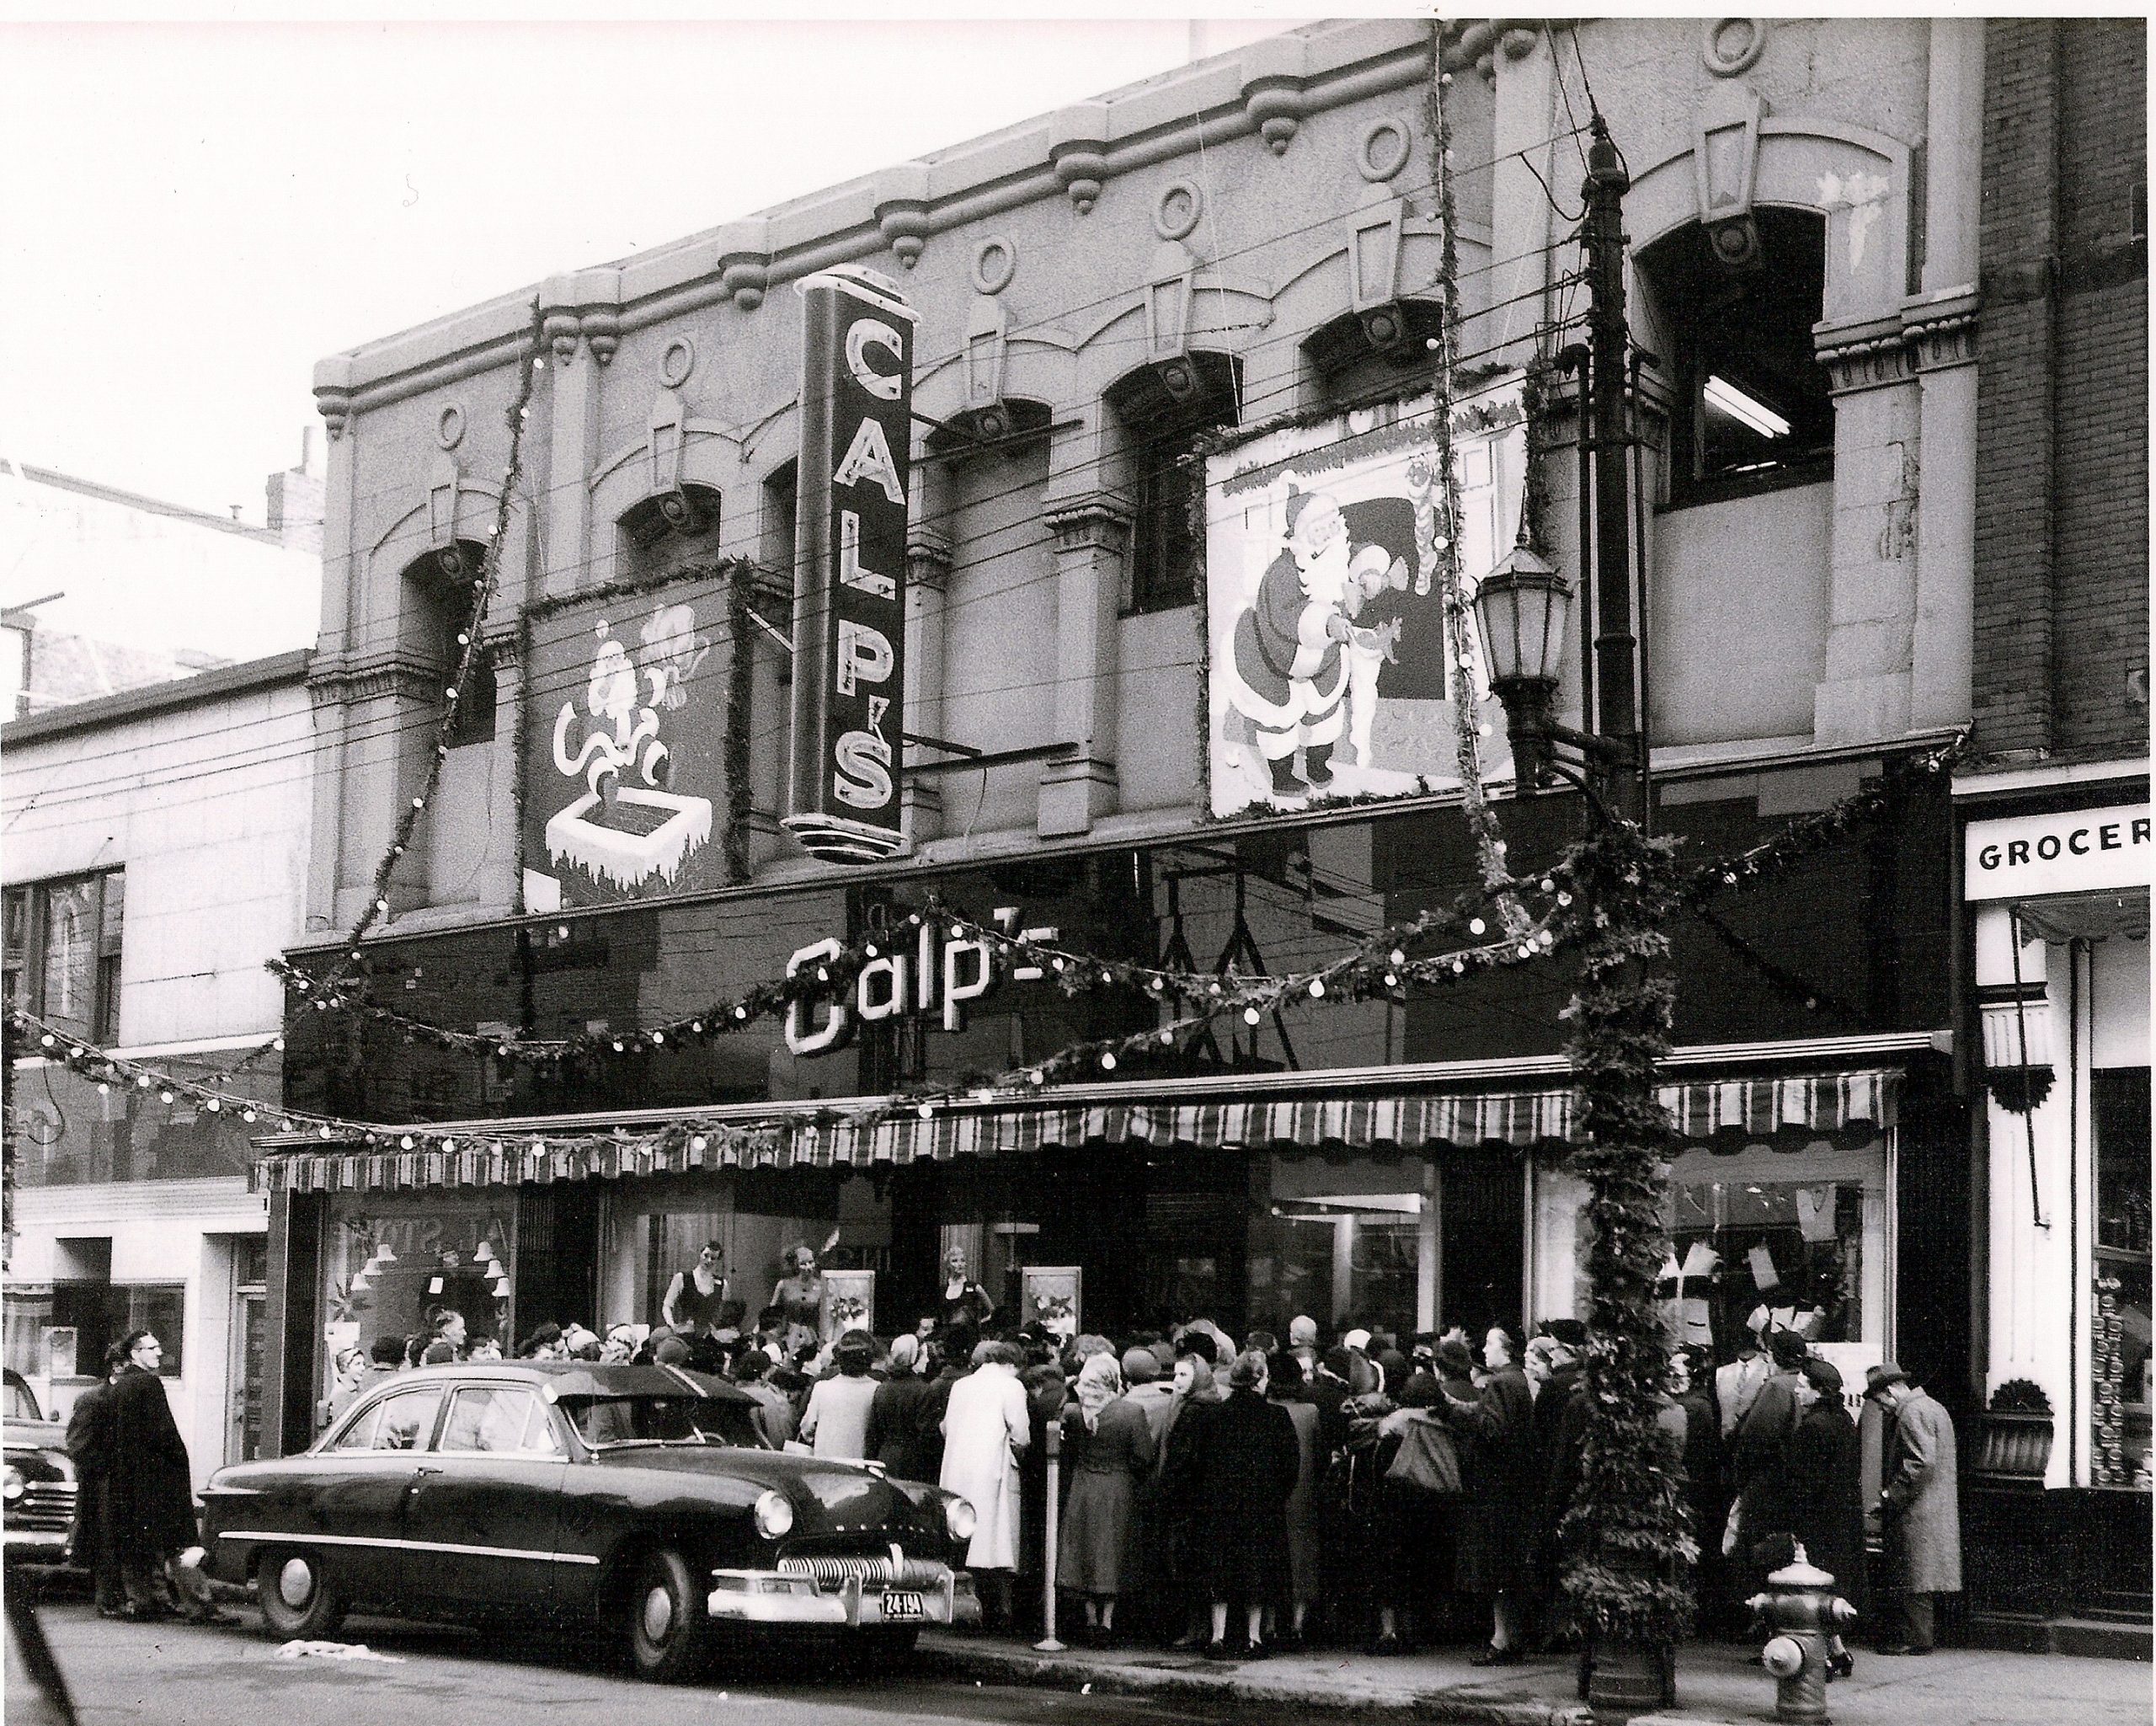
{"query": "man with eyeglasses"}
(152, 1494)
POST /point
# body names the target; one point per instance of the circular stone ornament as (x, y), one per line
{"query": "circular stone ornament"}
(677, 362)
(1177, 211)
(449, 426)
(995, 261)
(1730, 46)
(1383, 150)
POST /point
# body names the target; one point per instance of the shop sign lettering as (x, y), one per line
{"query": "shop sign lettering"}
(2078, 850)
(850, 527)
(932, 972)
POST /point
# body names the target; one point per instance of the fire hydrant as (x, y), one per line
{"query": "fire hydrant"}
(1802, 1613)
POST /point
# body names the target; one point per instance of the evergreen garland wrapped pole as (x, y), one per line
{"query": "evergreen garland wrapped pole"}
(1628, 1555)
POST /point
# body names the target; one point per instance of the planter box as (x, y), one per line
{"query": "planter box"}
(2012, 1445)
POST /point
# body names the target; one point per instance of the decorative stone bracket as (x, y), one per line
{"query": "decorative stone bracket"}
(585, 304)
(1078, 150)
(744, 262)
(1274, 71)
(1925, 335)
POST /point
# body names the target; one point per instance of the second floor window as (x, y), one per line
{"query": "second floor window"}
(62, 952)
(1165, 408)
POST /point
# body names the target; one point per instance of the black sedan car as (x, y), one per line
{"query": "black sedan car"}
(640, 1499)
(38, 1490)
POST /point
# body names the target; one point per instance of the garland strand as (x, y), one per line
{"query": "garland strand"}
(1489, 843)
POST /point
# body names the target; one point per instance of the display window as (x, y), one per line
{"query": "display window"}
(390, 1265)
(1768, 1239)
(2119, 1318)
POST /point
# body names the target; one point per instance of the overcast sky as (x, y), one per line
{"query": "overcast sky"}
(191, 215)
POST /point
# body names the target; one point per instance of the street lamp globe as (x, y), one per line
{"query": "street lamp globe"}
(1523, 611)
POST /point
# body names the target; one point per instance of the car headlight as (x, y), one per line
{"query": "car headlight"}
(958, 1517)
(13, 1485)
(774, 1515)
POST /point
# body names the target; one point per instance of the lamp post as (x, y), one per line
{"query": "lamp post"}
(1624, 1535)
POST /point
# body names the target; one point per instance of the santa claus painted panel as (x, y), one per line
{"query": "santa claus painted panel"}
(625, 729)
(1329, 670)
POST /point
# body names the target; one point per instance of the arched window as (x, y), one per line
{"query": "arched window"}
(438, 591)
(1163, 407)
(1733, 324)
(670, 531)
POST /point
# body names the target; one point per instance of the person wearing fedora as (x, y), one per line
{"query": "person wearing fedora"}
(1918, 1505)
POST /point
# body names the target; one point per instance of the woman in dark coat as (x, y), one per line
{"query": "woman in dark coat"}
(150, 1489)
(1499, 1494)
(1246, 1455)
(897, 1435)
(1826, 1499)
(1692, 1383)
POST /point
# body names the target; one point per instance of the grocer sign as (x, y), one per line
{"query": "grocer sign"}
(850, 599)
(2080, 851)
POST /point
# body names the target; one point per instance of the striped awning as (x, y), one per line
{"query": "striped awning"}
(1727, 1114)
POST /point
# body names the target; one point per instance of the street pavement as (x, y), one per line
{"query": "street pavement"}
(180, 1675)
(184, 1674)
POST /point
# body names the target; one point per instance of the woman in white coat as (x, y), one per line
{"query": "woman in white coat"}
(984, 1428)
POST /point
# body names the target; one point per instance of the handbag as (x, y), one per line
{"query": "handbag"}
(1427, 1460)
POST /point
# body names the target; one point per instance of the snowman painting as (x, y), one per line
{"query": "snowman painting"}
(627, 827)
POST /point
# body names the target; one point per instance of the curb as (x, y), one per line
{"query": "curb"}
(1451, 1707)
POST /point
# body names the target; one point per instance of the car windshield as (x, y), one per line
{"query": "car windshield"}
(606, 1421)
(21, 1404)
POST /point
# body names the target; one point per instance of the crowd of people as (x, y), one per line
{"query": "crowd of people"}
(1240, 1496)
(1233, 1497)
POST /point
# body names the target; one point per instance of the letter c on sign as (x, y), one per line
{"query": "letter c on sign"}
(800, 1039)
(863, 334)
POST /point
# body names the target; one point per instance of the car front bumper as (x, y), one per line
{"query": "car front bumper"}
(853, 1603)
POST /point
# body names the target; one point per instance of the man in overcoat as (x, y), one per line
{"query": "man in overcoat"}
(151, 1490)
(1497, 1509)
(89, 1443)
(1919, 1506)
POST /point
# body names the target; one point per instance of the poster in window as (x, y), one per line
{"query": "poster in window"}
(624, 750)
(1329, 671)
(1053, 1297)
(849, 1302)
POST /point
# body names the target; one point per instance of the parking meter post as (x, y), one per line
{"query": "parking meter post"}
(1048, 1644)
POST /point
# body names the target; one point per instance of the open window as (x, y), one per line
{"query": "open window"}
(1751, 407)
(1163, 408)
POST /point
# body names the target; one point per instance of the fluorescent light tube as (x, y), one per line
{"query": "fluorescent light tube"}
(1747, 409)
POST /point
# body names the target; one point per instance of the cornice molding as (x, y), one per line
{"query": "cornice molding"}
(1269, 87)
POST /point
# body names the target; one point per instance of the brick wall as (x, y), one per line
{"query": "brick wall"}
(2062, 570)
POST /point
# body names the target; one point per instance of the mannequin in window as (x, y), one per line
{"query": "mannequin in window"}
(962, 1303)
(800, 1297)
(694, 1297)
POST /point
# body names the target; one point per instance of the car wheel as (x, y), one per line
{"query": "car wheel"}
(668, 1631)
(295, 1597)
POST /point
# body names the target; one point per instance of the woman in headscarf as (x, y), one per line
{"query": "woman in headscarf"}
(1107, 1449)
(1246, 1455)
(896, 1414)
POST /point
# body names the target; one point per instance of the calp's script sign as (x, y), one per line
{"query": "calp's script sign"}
(849, 602)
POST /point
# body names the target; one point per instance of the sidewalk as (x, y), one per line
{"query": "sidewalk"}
(1717, 1683)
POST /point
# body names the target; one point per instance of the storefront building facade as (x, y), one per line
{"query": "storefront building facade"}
(139, 917)
(1154, 332)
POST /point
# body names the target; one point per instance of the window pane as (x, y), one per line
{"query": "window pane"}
(407, 1419)
(71, 954)
(2118, 1352)
(114, 913)
(488, 1417)
(360, 1435)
